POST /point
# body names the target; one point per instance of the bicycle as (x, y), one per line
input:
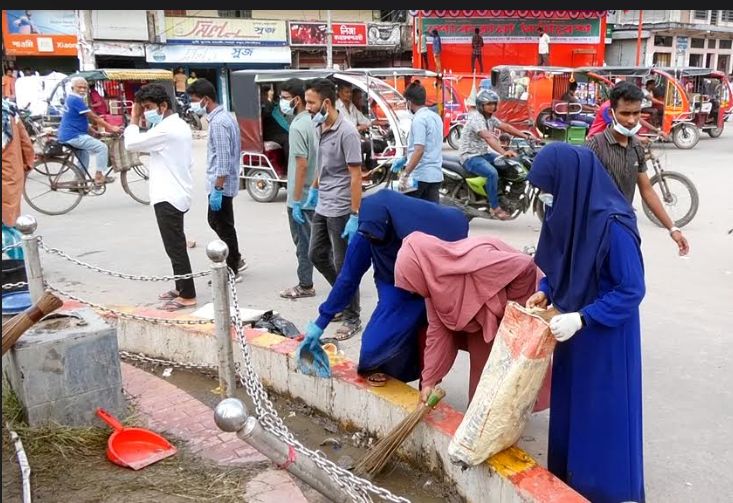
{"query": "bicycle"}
(673, 198)
(59, 180)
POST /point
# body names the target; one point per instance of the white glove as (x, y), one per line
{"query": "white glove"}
(404, 182)
(564, 326)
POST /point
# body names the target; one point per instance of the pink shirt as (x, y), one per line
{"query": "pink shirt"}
(601, 120)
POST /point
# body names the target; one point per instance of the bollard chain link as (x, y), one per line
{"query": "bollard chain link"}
(122, 314)
(204, 368)
(357, 488)
(115, 274)
(10, 286)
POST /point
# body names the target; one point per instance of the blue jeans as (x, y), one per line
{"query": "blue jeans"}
(481, 165)
(87, 144)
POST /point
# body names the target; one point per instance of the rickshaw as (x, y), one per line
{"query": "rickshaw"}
(710, 97)
(677, 116)
(531, 98)
(263, 166)
(58, 181)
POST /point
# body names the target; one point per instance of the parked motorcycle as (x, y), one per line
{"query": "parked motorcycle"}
(467, 192)
(185, 112)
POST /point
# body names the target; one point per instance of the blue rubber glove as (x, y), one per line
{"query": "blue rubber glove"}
(298, 212)
(310, 356)
(350, 228)
(215, 199)
(399, 164)
(312, 199)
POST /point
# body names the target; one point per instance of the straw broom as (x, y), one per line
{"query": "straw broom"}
(18, 324)
(377, 458)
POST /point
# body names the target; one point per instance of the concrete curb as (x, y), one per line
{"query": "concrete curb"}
(348, 398)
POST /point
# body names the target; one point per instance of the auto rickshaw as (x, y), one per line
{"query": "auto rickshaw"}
(263, 166)
(677, 116)
(709, 94)
(531, 98)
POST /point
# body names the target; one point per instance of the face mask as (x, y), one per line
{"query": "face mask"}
(286, 106)
(320, 117)
(546, 198)
(153, 117)
(623, 129)
(197, 108)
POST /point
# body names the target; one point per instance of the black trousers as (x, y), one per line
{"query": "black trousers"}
(477, 57)
(222, 222)
(170, 224)
(427, 191)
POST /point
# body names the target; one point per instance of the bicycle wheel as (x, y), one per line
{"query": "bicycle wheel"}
(682, 201)
(136, 182)
(54, 187)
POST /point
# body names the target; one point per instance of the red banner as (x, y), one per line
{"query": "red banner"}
(313, 33)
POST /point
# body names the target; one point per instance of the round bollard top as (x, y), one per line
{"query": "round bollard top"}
(217, 250)
(230, 415)
(26, 224)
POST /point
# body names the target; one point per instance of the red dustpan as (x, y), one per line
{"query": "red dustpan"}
(134, 447)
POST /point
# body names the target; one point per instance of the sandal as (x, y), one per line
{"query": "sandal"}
(175, 305)
(348, 330)
(377, 380)
(169, 295)
(298, 292)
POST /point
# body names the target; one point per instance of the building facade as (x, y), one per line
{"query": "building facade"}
(676, 38)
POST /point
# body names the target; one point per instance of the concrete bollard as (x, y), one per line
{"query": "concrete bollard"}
(27, 225)
(217, 252)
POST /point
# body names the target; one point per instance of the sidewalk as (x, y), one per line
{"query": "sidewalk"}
(168, 409)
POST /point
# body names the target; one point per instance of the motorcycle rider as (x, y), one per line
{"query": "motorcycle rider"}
(480, 146)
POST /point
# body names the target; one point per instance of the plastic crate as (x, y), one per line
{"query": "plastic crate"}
(576, 135)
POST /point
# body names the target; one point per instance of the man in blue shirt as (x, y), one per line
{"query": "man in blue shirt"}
(222, 172)
(424, 147)
(74, 129)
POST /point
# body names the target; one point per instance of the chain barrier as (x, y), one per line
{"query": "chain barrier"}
(203, 368)
(357, 488)
(122, 314)
(10, 286)
(115, 274)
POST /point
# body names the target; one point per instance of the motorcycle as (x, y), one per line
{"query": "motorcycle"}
(467, 191)
(185, 112)
(455, 129)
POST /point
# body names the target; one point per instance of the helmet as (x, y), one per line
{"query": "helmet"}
(485, 96)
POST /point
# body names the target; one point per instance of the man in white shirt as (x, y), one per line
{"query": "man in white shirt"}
(544, 48)
(170, 143)
(349, 111)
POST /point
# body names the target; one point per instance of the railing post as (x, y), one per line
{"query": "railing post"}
(27, 225)
(217, 252)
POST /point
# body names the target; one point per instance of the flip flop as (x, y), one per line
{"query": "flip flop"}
(347, 330)
(169, 295)
(377, 380)
(174, 305)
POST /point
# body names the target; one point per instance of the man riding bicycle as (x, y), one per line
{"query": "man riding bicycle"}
(480, 147)
(74, 129)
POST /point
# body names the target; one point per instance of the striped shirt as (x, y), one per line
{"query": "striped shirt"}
(224, 150)
(623, 163)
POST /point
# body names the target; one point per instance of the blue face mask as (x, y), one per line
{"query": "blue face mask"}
(197, 108)
(286, 106)
(319, 117)
(623, 129)
(153, 117)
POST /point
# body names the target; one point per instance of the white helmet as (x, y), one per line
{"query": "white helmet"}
(485, 96)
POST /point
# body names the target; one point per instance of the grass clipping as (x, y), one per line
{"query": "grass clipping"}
(70, 464)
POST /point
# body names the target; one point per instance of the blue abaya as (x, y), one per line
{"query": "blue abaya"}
(389, 343)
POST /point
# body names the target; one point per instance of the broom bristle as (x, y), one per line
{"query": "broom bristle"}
(18, 324)
(379, 455)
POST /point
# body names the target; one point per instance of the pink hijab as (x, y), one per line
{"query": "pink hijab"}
(467, 281)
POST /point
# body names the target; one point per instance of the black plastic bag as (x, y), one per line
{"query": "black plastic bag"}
(276, 324)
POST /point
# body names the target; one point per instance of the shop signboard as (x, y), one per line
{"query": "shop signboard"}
(383, 34)
(516, 31)
(39, 32)
(313, 33)
(216, 54)
(225, 31)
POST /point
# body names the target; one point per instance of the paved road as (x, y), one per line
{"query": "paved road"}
(687, 336)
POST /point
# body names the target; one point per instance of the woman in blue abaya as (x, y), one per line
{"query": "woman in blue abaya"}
(589, 250)
(389, 344)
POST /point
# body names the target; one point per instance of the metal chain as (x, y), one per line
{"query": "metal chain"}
(135, 277)
(357, 488)
(10, 286)
(211, 370)
(121, 314)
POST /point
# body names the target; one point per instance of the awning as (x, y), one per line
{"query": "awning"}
(547, 14)
(125, 74)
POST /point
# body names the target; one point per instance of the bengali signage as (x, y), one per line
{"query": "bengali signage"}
(216, 54)
(383, 34)
(225, 31)
(313, 33)
(39, 32)
(518, 31)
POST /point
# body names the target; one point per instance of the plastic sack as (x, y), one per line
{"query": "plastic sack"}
(276, 324)
(508, 388)
(120, 158)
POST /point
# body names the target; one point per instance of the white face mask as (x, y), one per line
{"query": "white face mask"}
(623, 129)
(197, 108)
(286, 106)
(547, 199)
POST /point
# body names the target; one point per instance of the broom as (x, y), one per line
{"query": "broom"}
(377, 458)
(18, 324)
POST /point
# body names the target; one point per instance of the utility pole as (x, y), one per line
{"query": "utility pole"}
(329, 41)
(84, 40)
(638, 38)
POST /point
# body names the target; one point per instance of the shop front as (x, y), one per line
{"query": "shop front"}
(119, 38)
(40, 40)
(511, 37)
(213, 47)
